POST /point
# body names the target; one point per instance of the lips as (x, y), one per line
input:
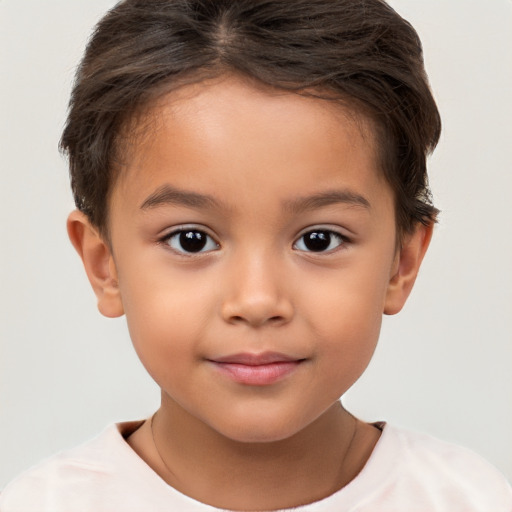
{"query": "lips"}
(256, 369)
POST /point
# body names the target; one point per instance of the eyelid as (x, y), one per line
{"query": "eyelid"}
(172, 230)
(337, 230)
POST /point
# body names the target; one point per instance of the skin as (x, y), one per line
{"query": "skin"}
(258, 154)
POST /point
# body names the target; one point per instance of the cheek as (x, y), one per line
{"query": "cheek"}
(349, 343)
(350, 302)
(345, 313)
(346, 348)
(166, 320)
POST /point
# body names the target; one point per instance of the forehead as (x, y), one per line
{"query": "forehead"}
(214, 133)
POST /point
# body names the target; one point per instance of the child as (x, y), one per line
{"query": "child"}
(251, 190)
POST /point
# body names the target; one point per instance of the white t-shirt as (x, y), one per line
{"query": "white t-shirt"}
(407, 472)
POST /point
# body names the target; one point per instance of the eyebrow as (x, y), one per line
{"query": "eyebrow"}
(328, 198)
(167, 195)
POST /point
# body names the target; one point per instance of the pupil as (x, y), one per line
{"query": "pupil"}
(192, 241)
(317, 240)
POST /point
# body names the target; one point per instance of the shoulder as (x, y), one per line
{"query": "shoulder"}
(58, 483)
(429, 452)
(442, 473)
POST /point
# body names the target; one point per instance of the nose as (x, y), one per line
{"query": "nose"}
(256, 293)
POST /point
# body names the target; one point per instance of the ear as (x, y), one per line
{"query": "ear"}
(406, 266)
(98, 262)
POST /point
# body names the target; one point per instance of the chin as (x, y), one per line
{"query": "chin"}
(263, 430)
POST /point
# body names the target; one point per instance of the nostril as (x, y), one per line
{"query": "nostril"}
(256, 311)
(272, 320)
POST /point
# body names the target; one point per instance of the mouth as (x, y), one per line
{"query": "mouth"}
(256, 369)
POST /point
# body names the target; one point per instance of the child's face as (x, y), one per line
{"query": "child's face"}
(288, 249)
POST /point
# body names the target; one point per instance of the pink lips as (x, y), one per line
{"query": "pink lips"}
(256, 369)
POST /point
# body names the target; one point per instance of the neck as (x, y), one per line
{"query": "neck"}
(306, 467)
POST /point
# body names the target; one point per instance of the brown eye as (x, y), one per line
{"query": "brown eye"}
(191, 241)
(319, 240)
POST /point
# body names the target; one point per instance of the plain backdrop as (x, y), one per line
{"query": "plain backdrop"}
(443, 365)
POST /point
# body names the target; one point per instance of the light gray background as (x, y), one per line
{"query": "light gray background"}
(443, 364)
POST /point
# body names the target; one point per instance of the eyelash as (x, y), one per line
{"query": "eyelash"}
(202, 239)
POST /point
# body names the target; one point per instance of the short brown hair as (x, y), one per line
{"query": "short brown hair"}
(360, 51)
